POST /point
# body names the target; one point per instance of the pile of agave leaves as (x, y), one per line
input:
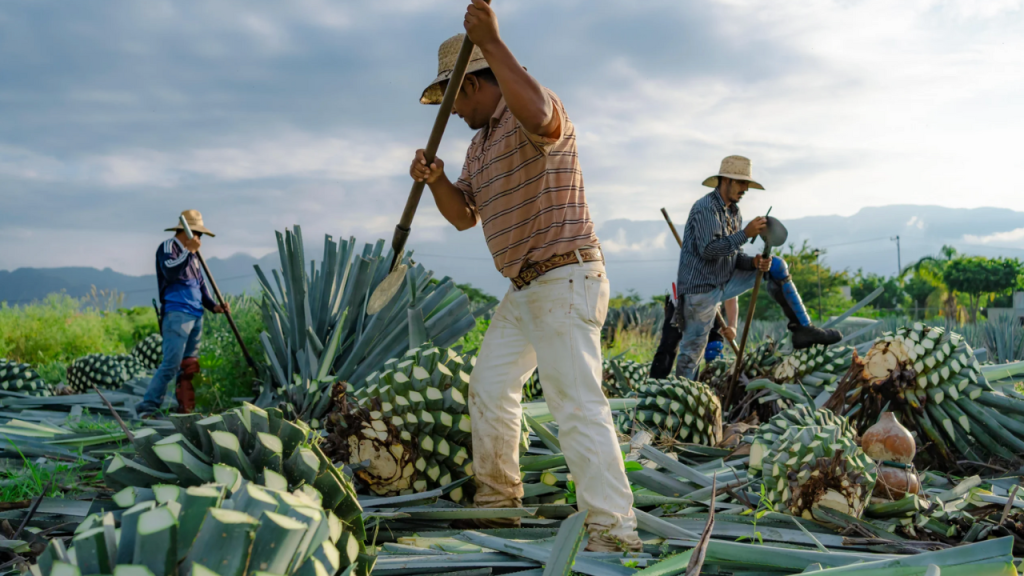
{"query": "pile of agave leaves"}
(256, 490)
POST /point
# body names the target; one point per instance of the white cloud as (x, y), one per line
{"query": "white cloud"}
(618, 243)
(915, 222)
(1015, 236)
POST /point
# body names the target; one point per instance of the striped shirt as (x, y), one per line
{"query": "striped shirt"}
(527, 190)
(712, 246)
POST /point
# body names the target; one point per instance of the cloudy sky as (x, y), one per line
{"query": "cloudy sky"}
(116, 115)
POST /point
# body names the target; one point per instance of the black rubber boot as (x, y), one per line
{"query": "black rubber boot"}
(807, 336)
(803, 336)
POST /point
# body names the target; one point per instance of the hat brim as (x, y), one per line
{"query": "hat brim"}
(202, 229)
(433, 94)
(712, 181)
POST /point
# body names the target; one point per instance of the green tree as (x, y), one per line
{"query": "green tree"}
(930, 269)
(861, 285)
(919, 290)
(978, 277)
(804, 267)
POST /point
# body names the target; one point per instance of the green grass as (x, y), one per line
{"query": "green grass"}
(225, 374)
(30, 479)
(53, 332)
(639, 345)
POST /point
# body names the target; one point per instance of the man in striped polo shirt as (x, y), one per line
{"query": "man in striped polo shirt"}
(522, 180)
(713, 268)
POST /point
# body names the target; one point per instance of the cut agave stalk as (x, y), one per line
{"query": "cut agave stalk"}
(156, 541)
(131, 496)
(124, 473)
(187, 467)
(254, 501)
(91, 553)
(275, 544)
(132, 570)
(129, 528)
(228, 450)
(194, 503)
(223, 541)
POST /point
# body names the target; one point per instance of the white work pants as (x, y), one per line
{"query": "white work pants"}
(554, 322)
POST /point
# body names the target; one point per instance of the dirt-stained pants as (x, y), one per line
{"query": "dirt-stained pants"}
(554, 322)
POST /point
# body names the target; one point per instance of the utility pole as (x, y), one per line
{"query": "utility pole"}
(818, 268)
(899, 262)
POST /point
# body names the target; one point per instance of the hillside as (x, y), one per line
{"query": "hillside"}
(641, 255)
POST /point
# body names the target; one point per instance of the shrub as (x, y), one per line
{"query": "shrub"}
(59, 329)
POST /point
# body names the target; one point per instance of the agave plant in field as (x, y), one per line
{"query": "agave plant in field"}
(808, 467)
(931, 380)
(209, 530)
(410, 421)
(149, 351)
(243, 445)
(104, 371)
(318, 331)
(676, 410)
(20, 377)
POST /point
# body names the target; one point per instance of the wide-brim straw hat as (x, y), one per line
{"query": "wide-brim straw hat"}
(446, 56)
(735, 167)
(195, 223)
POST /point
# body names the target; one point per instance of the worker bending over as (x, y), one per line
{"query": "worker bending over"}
(522, 180)
(713, 268)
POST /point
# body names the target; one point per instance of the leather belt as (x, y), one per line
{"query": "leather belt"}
(531, 272)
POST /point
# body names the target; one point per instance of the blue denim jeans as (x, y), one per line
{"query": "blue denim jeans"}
(181, 333)
(698, 316)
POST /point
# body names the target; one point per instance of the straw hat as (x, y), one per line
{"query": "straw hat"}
(446, 56)
(735, 167)
(195, 222)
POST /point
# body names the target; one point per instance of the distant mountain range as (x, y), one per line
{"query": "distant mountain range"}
(641, 255)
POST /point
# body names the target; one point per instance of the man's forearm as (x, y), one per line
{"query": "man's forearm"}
(525, 97)
(732, 311)
(451, 202)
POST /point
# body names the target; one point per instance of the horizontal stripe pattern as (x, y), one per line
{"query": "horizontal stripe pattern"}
(712, 245)
(527, 191)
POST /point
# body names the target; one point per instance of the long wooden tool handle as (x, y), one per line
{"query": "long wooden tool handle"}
(220, 299)
(404, 226)
(718, 313)
(746, 331)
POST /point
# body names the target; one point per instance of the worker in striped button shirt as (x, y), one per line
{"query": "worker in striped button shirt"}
(713, 268)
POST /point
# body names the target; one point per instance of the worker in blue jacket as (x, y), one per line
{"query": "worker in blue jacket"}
(183, 297)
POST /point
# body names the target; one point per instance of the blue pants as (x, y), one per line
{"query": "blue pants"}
(698, 316)
(181, 333)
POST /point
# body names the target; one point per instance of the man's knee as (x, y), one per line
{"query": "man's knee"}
(779, 271)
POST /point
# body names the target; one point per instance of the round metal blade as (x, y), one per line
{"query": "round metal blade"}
(386, 290)
(775, 234)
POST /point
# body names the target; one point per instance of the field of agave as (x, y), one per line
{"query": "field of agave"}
(897, 451)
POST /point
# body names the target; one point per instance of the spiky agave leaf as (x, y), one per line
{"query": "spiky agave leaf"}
(318, 332)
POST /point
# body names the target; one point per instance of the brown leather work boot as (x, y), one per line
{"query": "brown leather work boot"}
(184, 391)
(609, 543)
